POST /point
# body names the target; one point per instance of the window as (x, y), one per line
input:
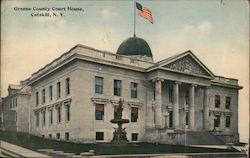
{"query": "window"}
(16, 102)
(67, 111)
(50, 136)
(50, 116)
(228, 102)
(187, 118)
(59, 114)
(133, 90)
(67, 86)
(37, 98)
(99, 111)
(217, 101)
(115, 112)
(154, 93)
(134, 114)
(187, 97)
(43, 114)
(170, 119)
(67, 136)
(43, 96)
(99, 136)
(98, 85)
(50, 93)
(58, 136)
(10, 106)
(170, 97)
(58, 90)
(134, 136)
(228, 121)
(37, 118)
(217, 121)
(117, 87)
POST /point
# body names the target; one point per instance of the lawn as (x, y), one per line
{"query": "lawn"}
(34, 142)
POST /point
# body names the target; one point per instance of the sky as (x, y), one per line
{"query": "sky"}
(217, 33)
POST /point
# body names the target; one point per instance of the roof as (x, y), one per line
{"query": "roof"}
(134, 46)
(17, 87)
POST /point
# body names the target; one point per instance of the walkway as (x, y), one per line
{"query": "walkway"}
(17, 151)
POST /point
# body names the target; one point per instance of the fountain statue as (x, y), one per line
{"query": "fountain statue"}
(119, 135)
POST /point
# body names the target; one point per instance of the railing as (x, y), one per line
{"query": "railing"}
(91, 52)
(226, 80)
(112, 57)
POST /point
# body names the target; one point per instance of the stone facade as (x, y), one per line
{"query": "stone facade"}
(16, 112)
(163, 100)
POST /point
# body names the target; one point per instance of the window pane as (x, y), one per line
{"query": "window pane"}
(187, 97)
(170, 119)
(228, 102)
(44, 117)
(51, 116)
(43, 96)
(58, 136)
(67, 109)
(217, 101)
(67, 85)
(50, 93)
(228, 121)
(58, 89)
(134, 136)
(99, 111)
(134, 114)
(117, 87)
(99, 136)
(187, 117)
(37, 98)
(37, 119)
(133, 90)
(58, 114)
(217, 121)
(171, 95)
(98, 85)
(67, 136)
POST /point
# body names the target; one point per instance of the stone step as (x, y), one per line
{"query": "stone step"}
(202, 138)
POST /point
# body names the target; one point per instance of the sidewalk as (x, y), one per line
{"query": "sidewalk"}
(17, 151)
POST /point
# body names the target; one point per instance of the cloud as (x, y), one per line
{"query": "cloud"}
(107, 12)
(204, 27)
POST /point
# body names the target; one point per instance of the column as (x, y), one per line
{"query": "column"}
(206, 122)
(158, 101)
(191, 107)
(176, 105)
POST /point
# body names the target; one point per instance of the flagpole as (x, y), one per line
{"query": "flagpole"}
(134, 17)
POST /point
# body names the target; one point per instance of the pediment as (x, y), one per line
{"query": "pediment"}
(186, 63)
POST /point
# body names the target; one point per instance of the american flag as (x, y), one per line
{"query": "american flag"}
(144, 12)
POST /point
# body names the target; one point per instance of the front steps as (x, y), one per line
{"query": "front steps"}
(202, 138)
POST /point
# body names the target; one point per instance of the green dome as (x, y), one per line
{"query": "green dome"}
(134, 46)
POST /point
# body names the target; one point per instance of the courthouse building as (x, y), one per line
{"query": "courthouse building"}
(176, 100)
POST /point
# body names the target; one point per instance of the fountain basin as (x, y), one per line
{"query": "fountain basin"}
(121, 121)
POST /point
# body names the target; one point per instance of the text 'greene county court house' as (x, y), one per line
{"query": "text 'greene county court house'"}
(176, 100)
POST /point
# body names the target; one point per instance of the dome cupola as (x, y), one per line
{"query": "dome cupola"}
(135, 46)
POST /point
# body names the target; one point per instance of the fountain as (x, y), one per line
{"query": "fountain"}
(119, 135)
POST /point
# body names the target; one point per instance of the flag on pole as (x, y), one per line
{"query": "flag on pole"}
(144, 12)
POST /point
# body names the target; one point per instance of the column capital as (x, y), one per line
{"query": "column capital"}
(207, 87)
(158, 79)
(178, 82)
(193, 85)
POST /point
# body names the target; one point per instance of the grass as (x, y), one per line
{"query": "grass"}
(34, 142)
